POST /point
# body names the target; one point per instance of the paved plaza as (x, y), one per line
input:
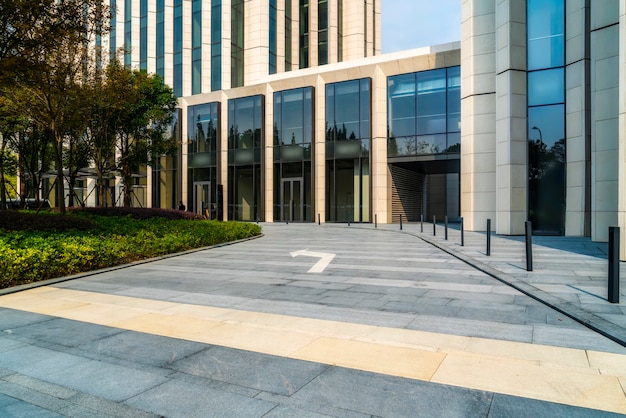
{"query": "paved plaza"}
(330, 320)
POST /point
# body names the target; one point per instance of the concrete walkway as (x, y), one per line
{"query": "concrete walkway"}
(317, 321)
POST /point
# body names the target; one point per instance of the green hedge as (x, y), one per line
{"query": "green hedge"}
(29, 256)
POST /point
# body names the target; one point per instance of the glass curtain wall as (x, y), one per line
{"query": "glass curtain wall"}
(322, 32)
(128, 33)
(304, 34)
(237, 43)
(293, 134)
(196, 47)
(203, 150)
(424, 112)
(178, 48)
(348, 151)
(165, 178)
(288, 23)
(113, 33)
(216, 45)
(272, 37)
(143, 35)
(546, 115)
(245, 146)
(160, 38)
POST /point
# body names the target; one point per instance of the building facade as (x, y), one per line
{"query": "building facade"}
(543, 133)
(289, 112)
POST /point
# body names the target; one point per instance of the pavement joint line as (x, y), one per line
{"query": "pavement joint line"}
(48, 282)
(588, 319)
(563, 375)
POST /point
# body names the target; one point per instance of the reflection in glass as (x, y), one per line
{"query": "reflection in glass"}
(347, 151)
(245, 121)
(546, 33)
(422, 108)
(546, 87)
(546, 168)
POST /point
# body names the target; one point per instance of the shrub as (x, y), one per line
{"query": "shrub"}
(51, 245)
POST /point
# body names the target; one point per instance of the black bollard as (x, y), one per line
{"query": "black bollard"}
(375, 220)
(488, 236)
(348, 219)
(422, 222)
(445, 223)
(462, 234)
(434, 225)
(614, 264)
(400, 222)
(319, 220)
(529, 245)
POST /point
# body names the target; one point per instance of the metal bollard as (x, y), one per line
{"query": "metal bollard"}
(422, 222)
(462, 233)
(529, 245)
(348, 219)
(445, 223)
(375, 220)
(614, 264)
(400, 222)
(434, 225)
(319, 220)
(488, 236)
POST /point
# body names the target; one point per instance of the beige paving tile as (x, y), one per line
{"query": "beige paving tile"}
(259, 318)
(422, 340)
(205, 312)
(174, 326)
(542, 353)
(43, 306)
(608, 363)
(256, 338)
(379, 358)
(319, 327)
(95, 313)
(529, 379)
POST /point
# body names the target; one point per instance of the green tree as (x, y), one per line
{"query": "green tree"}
(141, 126)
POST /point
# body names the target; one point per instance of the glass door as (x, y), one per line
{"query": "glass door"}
(202, 198)
(292, 200)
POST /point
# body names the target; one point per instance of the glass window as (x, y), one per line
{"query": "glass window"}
(160, 38)
(272, 37)
(322, 36)
(304, 33)
(237, 44)
(546, 87)
(216, 45)
(454, 99)
(546, 33)
(431, 102)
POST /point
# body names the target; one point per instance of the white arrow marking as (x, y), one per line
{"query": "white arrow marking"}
(325, 259)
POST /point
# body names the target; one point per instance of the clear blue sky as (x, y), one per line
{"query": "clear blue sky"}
(408, 24)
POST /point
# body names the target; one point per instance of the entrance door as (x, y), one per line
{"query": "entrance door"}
(202, 198)
(292, 200)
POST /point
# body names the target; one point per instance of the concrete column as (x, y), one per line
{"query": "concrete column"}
(478, 103)
(577, 117)
(511, 105)
(378, 162)
(605, 63)
(319, 158)
(622, 129)
(268, 154)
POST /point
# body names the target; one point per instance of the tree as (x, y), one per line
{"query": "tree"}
(54, 84)
(141, 124)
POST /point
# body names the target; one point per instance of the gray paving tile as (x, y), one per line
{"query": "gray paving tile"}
(387, 396)
(106, 380)
(12, 318)
(38, 362)
(26, 410)
(64, 332)
(511, 406)
(282, 411)
(254, 370)
(181, 399)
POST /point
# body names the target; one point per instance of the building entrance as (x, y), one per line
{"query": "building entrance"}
(292, 200)
(202, 199)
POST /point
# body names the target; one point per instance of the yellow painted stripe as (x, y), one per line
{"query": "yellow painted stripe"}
(564, 375)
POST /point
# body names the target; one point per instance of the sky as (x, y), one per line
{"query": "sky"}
(408, 24)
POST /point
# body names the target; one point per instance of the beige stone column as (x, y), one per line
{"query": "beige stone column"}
(605, 93)
(378, 162)
(511, 125)
(478, 102)
(268, 154)
(577, 121)
(319, 157)
(222, 167)
(622, 129)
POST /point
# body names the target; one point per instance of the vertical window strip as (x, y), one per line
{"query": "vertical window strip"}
(339, 30)
(288, 32)
(143, 35)
(160, 38)
(272, 37)
(237, 44)
(304, 34)
(196, 44)
(216, 45)
(178, 48)
(322, 32)
(113, 34)
(128, 34)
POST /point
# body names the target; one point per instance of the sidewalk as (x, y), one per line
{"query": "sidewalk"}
(570, 274)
